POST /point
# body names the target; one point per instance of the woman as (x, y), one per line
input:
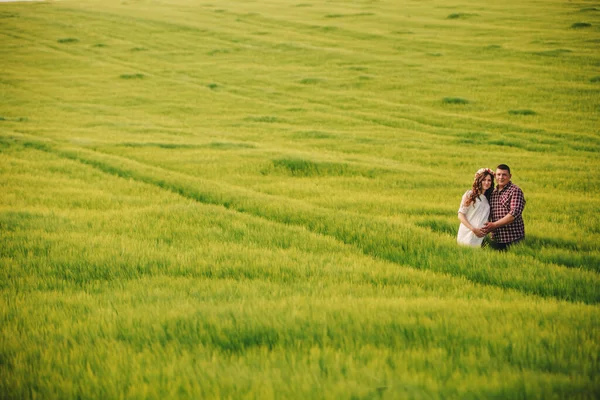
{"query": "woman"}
(475, 209)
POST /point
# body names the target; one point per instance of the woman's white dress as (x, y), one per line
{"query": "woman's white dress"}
(477, 214)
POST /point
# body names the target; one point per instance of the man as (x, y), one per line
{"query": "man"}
(507, 203)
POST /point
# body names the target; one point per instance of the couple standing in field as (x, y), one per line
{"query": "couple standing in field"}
(495, 210)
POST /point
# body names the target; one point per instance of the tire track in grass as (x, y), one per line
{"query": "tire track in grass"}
(154, 262)
(393, 241)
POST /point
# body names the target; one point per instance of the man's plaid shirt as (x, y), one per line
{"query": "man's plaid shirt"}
(509, 200)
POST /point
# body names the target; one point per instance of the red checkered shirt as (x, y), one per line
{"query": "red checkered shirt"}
(509, 200)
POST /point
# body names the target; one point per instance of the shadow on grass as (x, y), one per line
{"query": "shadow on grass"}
(539, 242)
(311, 81)
(266, 118)
(18, 119)
(213, 145)
(455, 100)
(473, 138)
(579, 25)
(312, 135)
(132, 76)
(522, 112)
(440, 226)
(306, 168)
(68, 40)
(567, 253)
(552, 53)
(461, 15)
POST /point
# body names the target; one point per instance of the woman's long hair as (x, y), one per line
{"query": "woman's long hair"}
(477, 186)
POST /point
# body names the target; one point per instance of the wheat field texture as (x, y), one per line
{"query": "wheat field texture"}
(258, 199)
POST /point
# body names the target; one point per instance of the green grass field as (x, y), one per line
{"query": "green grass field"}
(257, 199)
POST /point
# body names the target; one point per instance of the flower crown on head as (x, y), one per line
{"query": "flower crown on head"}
(482, 170)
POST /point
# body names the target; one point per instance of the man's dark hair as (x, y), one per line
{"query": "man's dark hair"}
(504, 167)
